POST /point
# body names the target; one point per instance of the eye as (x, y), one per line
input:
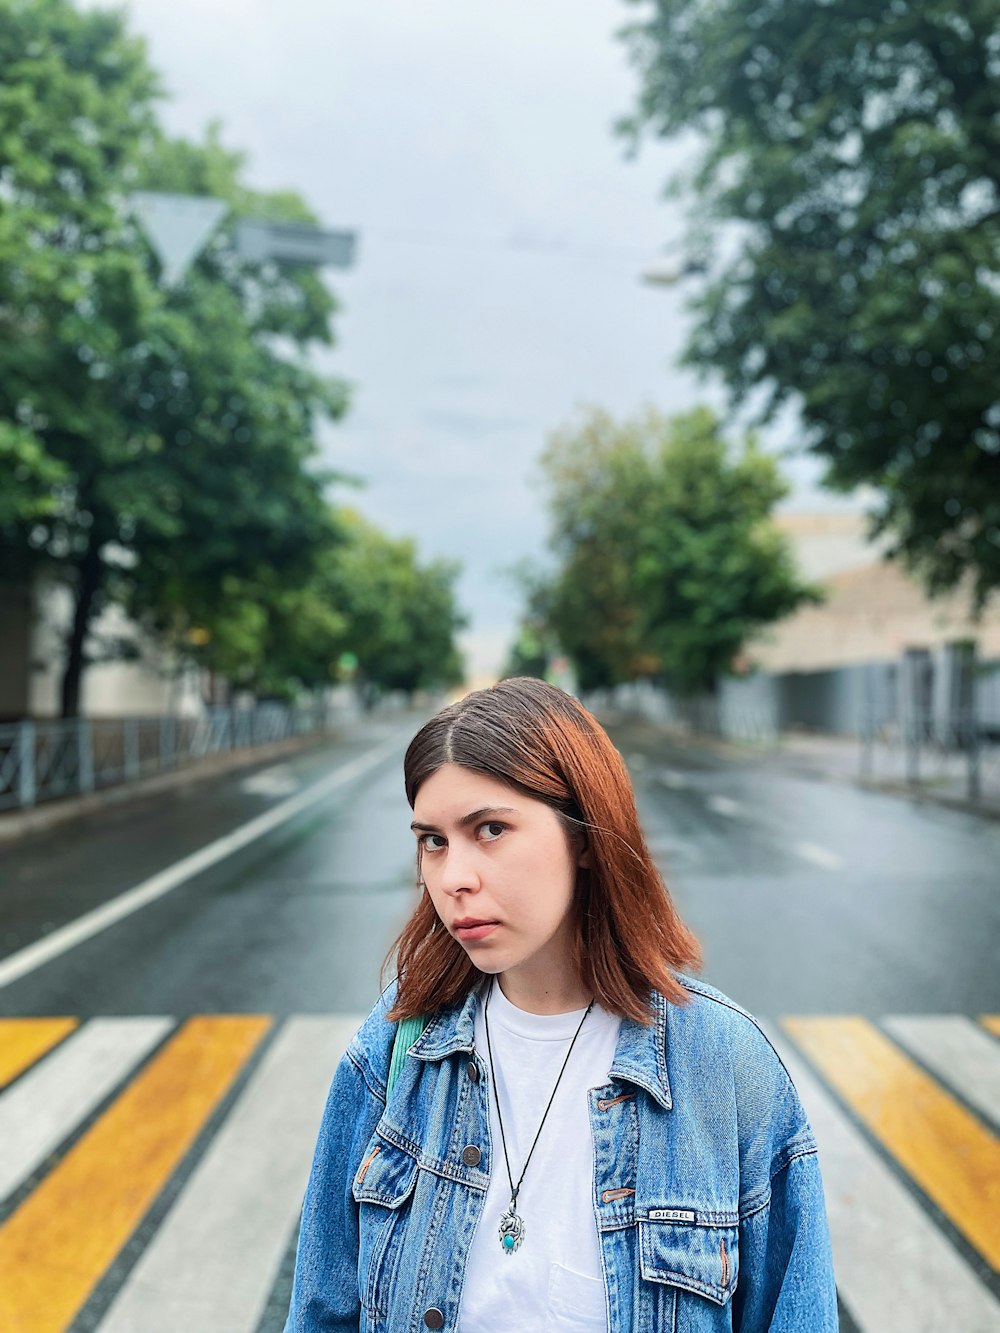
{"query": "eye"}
(427, 846)
(494, 828)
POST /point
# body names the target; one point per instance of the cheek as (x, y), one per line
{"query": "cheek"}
(548, 886)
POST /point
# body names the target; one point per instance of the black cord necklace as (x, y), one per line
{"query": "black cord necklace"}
(512, 1224)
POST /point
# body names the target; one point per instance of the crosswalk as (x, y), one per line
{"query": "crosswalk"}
(152, 1169)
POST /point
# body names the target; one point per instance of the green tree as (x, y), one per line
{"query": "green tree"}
(668, 560)
(370, 600)
(237, 526)
(158, 444)
(534, 643)
(401, 616)
(852, 157)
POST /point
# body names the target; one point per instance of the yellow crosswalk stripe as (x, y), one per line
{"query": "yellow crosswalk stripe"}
(57, 1244)
(25, 1040)
(991, 1022)
(948, 1152)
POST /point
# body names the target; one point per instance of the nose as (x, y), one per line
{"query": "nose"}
(459, 874)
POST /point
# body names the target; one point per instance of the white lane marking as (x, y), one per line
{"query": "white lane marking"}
(213, 1261)
(49, 1101)
(100, 918)
(895, 1270)
(819, 856)
(958, 1051)
(671, 778)
(722, 805)
(279, 780)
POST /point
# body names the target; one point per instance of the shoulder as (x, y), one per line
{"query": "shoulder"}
(727, 1037)
(370, 1048)
(712, 1014)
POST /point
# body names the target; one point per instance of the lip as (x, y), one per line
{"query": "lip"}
(473, 928)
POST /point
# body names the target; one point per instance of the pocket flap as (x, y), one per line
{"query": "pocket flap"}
(385, 1176)
(702, 1259)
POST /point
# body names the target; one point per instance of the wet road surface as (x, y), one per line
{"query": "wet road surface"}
(164, 1073)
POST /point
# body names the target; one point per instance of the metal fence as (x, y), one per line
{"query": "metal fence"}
(959, 755)
(956, 754)
(41, 761)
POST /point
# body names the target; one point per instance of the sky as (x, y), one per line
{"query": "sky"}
(502, 231)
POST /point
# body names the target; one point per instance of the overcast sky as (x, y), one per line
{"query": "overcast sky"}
(501, 236)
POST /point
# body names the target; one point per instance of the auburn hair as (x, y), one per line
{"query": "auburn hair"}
(541, 741)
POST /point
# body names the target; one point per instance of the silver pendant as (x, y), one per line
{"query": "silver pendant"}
(511, 1231)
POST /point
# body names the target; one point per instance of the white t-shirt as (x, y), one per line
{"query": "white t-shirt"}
(553, 1282)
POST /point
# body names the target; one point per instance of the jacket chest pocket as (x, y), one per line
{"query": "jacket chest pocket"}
(383, 1187)
(688, 1273)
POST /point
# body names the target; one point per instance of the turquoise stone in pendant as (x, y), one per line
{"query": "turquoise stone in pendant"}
(511, 1231)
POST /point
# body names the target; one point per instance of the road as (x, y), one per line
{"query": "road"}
(179, 974)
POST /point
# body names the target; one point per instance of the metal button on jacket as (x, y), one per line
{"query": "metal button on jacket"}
(471, 1155)
(472, 1069)
(434, 1318)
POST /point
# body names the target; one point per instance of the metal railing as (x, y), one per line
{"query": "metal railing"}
(960, 753)
(42, 761)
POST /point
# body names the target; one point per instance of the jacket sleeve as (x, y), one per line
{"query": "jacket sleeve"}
(786, 1282)
(325, 1296)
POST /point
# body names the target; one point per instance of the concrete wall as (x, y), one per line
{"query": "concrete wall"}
(33, 624)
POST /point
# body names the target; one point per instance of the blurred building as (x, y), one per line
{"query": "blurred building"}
(875, 611)
(879, 650)
(33, 624)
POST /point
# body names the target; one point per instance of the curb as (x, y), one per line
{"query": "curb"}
(984, 809)
(809, 768)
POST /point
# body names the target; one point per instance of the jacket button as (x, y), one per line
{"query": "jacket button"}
(434, 1318)
(472, 1069)
(471, 1156)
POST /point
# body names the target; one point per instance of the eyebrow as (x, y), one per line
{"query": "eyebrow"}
(468, 819)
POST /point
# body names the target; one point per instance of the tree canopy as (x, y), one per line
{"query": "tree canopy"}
(158, 442)
(667, 559)
(160, 439)
(370, 612)
(850, 169)
(402, 614)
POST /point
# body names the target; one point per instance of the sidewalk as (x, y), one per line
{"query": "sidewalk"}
(830, 758)
(943, 778)
(48, 814)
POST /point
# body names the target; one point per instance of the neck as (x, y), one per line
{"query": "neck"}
(553, 995)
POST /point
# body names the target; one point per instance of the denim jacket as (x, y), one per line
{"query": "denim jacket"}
(707, 1192)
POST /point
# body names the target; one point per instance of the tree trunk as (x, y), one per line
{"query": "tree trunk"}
(91, 575)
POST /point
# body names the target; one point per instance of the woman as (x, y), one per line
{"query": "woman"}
(582, 1137)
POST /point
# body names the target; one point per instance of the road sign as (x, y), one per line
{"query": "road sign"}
(293, 243)
(178, 225)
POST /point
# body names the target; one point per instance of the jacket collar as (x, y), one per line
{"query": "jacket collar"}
(640, 1055)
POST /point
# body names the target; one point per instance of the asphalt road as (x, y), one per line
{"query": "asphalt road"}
(206, 953)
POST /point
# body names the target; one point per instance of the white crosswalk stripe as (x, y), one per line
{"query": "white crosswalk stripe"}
(44, 1106)
(896, 1271)
(212, 1263)
(959, 1052)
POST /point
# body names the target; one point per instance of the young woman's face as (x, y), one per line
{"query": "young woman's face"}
(499, 869)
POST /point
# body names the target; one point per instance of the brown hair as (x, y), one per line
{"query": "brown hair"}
(536, 738)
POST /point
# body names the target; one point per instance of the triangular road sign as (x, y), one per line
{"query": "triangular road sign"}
(178, 225)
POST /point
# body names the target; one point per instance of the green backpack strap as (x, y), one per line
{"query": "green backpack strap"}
(407, 1031)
